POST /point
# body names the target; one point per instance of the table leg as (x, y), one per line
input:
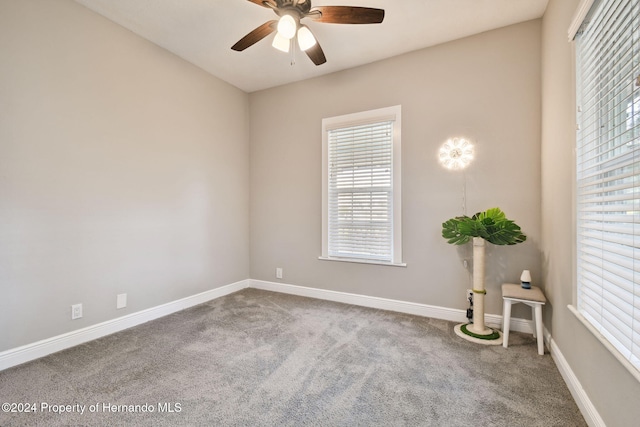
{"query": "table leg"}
(539, 329)
(506, 322)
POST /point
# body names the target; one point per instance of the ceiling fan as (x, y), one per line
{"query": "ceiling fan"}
(288, 25)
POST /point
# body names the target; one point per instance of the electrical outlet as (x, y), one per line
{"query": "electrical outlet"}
(278, 273)
(76, 311)
(121, 301)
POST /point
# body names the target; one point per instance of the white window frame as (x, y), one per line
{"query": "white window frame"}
(355, 119)
(584, 306)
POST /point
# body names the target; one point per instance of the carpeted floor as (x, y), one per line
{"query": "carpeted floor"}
(257, 358)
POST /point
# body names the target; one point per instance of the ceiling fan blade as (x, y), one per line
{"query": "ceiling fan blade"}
(346, 15)
(316, 54)
(255, 36)
(262, 3)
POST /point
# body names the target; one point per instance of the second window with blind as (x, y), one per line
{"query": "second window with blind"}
(361, 187)
(608, 175)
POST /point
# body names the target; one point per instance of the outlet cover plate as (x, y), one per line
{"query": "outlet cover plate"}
(76, 311)
(121, 301)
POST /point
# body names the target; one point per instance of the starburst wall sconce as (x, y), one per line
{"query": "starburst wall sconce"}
(456, 153)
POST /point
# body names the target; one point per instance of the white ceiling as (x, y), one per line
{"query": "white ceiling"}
(203, 31)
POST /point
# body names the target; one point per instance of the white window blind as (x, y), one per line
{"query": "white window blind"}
(608, 173)
(360, 191)
(362, 184)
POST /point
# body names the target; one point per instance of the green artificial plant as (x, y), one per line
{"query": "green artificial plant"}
(492, 225)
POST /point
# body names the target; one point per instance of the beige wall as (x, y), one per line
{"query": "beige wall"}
(123, 169)
(485, 87)
(611, 388)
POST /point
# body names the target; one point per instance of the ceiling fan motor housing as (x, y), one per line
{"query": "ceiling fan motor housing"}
(302, 6)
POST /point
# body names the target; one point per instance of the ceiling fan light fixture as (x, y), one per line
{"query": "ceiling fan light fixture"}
(305, 38)
(281, 43)
(287, 26)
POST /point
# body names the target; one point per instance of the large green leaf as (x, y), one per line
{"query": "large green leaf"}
(492, 225)
(451, 231)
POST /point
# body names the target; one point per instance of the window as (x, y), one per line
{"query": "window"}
(361, 187)
(608, 175)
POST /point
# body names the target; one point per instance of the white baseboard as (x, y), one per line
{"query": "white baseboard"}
(47, 346)
(451, 314)
(51, 345)
(589, 412)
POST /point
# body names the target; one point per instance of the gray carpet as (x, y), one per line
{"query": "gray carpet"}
(257, 358)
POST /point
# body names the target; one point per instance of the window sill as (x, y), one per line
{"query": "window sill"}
(363, 261)
(632, 369)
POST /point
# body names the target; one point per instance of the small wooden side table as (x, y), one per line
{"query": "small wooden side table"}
(513, 294)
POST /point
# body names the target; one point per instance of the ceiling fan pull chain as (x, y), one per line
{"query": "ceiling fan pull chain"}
(293, 52)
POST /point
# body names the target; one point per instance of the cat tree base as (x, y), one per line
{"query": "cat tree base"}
(494, 337)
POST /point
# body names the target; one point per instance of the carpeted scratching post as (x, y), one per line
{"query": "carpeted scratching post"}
(477, 331)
